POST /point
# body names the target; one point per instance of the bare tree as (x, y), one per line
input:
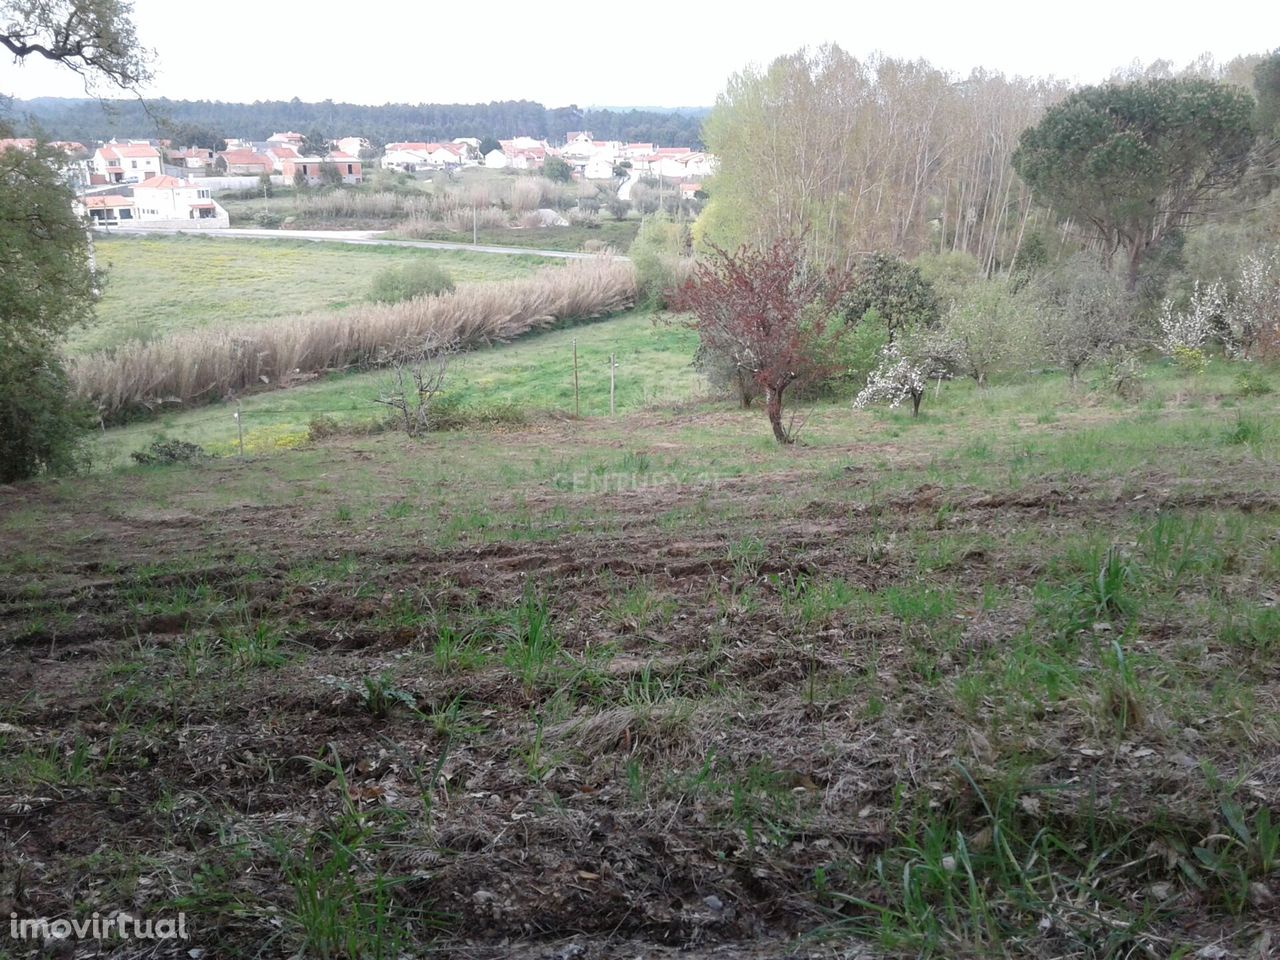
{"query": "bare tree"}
(417, 379)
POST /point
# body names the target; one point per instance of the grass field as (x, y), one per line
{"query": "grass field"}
(157, 285)
(617, 234)
(534, 373)
(997, 682)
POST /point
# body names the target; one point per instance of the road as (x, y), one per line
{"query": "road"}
(365, 238)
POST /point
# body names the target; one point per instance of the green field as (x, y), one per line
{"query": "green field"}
(617, 234)
(159, 285)
(536, 373)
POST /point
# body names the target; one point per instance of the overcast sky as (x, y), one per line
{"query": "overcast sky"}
(612, 53)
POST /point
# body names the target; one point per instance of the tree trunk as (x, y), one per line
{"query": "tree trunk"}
(915, 403)
(1135, 262)
(773, 406)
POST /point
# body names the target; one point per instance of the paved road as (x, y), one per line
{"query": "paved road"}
(367, 238)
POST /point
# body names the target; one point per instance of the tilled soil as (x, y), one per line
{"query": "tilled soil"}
(670, 783)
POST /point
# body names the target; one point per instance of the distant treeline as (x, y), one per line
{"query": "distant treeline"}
(210, 120)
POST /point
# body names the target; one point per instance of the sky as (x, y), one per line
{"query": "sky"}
(615, 54)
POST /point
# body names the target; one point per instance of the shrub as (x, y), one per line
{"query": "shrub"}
(1183, 332)
(1189, 360)
(659, 254)
(268, 220)
(418, 278)
(1253, 321)
(1251, 383)
(1123, 375)
(645, 199)
(557, 169)
(619, 208)
(896, 290)
(41, 425)
(1082, 313)
(983, 322)
(169, 451)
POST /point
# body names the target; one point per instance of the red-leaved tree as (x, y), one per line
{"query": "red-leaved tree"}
(765, 311)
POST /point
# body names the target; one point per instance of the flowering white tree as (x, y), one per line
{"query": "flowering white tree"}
(1185, 331)
(1253, 319)
(906, 367)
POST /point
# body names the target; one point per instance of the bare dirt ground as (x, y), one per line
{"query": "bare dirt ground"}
(683, 719)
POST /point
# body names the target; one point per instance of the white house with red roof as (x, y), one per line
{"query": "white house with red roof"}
(182, 201)
(278, 154)
(126, 162)
(109, 210)
(413, 156)
(599, 167)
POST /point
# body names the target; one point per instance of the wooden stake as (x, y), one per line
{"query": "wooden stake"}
(575, 377)
(240, 428)
(613, 366)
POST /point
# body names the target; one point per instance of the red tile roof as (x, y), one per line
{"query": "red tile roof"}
(109, 201)
(245, 158)
(128, 151)
(161, 183)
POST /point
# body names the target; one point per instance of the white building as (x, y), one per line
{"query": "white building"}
(599, 167)
(170, 199)
(127, 162)
(351, 145)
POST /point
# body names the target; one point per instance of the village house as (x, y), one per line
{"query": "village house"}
(289, 138)
(191, 158)
(311, 169)
(126, 162)
(352, 145)
(170, 199)
(241, 162)
(278, 154)
(531, 158)
(109, 210)
(411, 157)
(599, 167)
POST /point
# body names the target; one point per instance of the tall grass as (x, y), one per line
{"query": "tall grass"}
(354, 204)
(204, 366)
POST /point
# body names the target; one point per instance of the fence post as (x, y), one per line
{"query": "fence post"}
(613, 366)
(575, 377)
(240, 428)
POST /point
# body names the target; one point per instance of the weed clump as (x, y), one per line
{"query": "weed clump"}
(169, 451)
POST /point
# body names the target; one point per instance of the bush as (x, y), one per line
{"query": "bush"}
(41, 426)
(1251, 383)
(419, 278)
(659, 255)
(169, 451)
(984, 322)
(554, 168)
(896, 290)
(268, 220)
(1082, 314)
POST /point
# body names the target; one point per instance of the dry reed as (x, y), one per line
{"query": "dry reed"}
(204, 366)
